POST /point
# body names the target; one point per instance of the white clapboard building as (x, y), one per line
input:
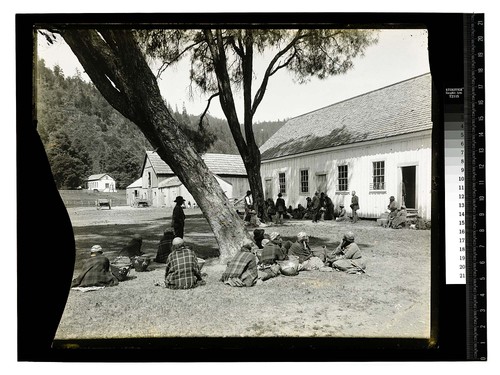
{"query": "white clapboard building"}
(102, 182)
(378, 144)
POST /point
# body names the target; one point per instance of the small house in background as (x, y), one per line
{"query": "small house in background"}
(378, 144)
(102, 182)
(158, 182)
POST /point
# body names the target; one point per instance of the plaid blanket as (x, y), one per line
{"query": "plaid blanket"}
(95, 272)
(182, 270)
(272, 253)
(242, 266)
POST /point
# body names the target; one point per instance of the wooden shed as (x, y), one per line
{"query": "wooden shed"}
(378, 144)
(228, 169)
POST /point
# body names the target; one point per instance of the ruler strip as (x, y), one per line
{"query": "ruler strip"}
(475, 188)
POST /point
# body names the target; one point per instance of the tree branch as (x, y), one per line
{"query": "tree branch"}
(166, 64)
(259, 95)
(206, 109)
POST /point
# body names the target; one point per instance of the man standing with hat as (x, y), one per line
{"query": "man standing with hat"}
(178, 217)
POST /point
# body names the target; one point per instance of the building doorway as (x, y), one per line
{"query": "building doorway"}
(321, 183)
(408, 186)
(269, 189)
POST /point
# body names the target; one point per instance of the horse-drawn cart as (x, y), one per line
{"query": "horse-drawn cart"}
(102, 202)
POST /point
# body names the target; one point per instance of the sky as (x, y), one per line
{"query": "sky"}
(399, 55)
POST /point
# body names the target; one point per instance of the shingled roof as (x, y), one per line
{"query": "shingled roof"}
(219, 164)
(97, 176)
(401, 108)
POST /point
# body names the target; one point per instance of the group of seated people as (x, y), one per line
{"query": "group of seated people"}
(259, 260)
(273, 257)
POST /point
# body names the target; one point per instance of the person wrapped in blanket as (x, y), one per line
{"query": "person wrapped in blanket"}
(95, 271)
(271, 254)
(182, 270)
(241, 271)
(347, 256)
(308, 261)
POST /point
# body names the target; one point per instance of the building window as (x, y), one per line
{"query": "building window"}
(342, 180)
(304, 181)
(149, 179)
(378, 175)
(282, 182)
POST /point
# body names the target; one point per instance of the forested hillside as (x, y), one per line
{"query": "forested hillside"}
(84, 135)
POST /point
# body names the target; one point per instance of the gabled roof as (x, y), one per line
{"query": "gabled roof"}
(170, 182)
(220, 164)
(97, 176)
(401, 108)
(136, 183)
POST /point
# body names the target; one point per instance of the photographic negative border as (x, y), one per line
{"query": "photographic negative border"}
(41, 302)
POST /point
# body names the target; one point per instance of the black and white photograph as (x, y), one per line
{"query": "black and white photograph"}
(214, 184)
(241, 182)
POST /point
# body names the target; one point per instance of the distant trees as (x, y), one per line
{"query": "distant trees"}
(100, 140)
(83, 134)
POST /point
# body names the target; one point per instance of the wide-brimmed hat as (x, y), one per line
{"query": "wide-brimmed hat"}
(349, 236)
(179, 199)
(249, 192)
(96, 249)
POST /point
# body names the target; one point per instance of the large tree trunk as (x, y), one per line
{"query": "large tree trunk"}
(117, 67)
(246, 147)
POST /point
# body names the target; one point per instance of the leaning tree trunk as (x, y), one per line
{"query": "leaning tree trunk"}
(117, 67)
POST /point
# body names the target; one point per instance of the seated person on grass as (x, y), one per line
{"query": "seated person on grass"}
(342, 214)
(95, 271)
(182, 270)
(133, 248)
(301, 249)
(272, 252)
(242, 269)
(347, 256)
(400, 220)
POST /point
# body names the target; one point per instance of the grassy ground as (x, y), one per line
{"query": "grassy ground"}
(391, 300)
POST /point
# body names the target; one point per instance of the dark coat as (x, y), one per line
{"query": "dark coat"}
(178, 218)
(95, 272)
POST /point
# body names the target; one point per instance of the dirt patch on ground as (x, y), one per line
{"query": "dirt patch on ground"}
(391, 300)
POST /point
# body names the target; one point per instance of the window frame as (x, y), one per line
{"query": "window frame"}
(282, 186)
(340, 177)
(301, 192)
(375, 186)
